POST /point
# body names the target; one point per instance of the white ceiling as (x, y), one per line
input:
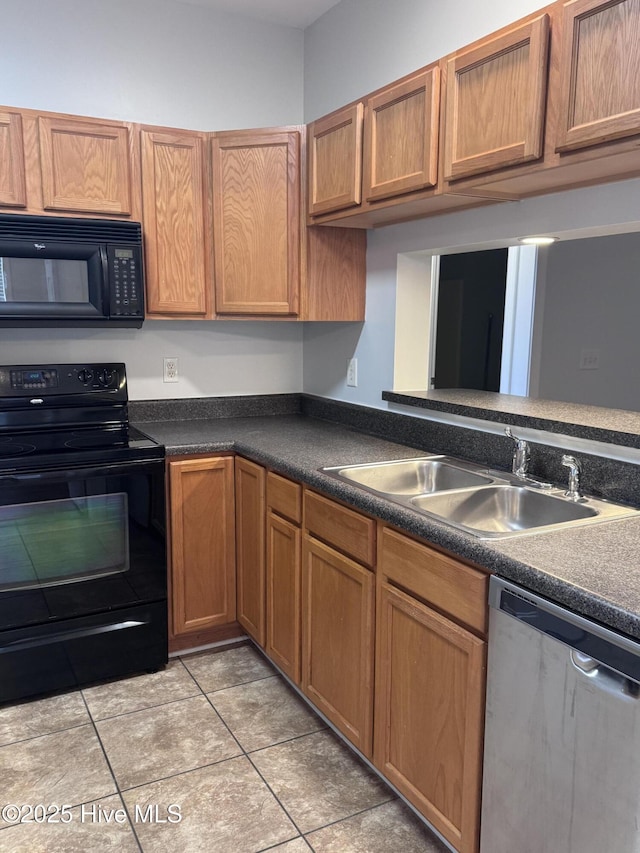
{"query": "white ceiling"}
(292, 13)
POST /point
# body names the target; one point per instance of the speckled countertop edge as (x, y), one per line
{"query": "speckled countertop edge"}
(592, 570)
(595, 423)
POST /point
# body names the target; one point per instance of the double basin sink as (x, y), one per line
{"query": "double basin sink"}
(485, 503)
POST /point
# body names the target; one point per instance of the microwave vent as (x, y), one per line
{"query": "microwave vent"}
(60, 229)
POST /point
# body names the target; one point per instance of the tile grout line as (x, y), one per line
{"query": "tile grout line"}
(248, 757)
(46, 734)
(113, 775)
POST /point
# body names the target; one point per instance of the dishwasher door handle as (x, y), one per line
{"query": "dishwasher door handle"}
(603, 676)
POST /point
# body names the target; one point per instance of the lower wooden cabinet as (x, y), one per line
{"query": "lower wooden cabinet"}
(250, 547)
(333, 606)
(429, 696)
(337, 639)
(284, 542)
(202, 535)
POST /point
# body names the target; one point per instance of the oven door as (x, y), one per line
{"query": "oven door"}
(83, 579)
(48, 280)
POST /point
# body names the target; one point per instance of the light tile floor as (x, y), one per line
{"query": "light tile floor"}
(217, 739)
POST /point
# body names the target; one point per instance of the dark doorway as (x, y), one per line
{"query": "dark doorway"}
(471, 294)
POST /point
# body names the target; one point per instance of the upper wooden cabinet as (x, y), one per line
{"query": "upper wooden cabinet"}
(176, 223)
(13, 191)
(335, 160)
(495, 101)
(592, 119)
(401, 137)
(267, 263)
(600, 81)
(85, 165)
(74, 165)
(396, 160)
(256, 221)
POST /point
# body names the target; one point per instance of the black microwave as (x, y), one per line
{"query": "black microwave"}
(58, 271)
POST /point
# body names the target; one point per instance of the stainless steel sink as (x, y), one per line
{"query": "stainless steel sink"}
(505, 509)
(412, 476)
(486, 503)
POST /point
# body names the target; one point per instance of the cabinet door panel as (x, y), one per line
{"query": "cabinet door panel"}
(401, 137)
(429, 714)
(495, 102)
(256, 208)
(85, 166)
(13, 191)
(250, 552)
(335, 160)
(337, 640)
(283, 595)
(600, 89)
(202, 543)
(174, 218)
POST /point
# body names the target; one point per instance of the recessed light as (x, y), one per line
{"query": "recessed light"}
(537, 241)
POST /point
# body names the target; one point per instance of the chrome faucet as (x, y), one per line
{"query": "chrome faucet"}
(575, 470)
(521, 454)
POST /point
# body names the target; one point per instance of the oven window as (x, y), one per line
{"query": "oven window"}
(62, 541)
(52, 280)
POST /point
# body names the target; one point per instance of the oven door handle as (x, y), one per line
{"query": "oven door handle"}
(62, 636)
(107, 469)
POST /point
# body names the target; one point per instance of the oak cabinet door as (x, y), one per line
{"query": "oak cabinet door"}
(13, 191)
(250, 548)
(85, 166)
(335, 160)
(337, 640)
(495, 104)
(401, 137)
(283, 594)
(175, 223)
(256, 221)
(202, 543)
(429, 711)
(600, 88)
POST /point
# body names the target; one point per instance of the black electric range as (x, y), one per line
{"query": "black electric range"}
(83, 590)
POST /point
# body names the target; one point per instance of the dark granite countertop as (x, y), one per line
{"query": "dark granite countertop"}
(595, 423)
(593, 570)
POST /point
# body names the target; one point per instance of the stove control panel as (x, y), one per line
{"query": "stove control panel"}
(62, 379)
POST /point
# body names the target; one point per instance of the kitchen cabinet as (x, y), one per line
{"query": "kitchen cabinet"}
(338, 616)
(401, 137)
(284, 544)
(85, 165)
(256, 216)
(391, 170)
(13, 191)
(52, 163)
(250, 481)
(592, 118)
(202, 543)
(335, 160)
(430, 683)
(496, 93)
(599, 84)
(175, 219)
(267, 263)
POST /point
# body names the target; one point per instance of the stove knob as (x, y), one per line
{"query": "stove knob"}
(105, 377)
(85, 376)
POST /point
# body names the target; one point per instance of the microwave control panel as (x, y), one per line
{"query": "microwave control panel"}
(125, 266)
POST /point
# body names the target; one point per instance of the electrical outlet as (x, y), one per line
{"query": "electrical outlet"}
(589, 359)
(170, 370)
(352, 372)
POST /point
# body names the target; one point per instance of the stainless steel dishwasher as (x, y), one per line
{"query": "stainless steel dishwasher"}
(562, 736)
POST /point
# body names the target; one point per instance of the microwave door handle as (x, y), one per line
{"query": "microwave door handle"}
(106, 284)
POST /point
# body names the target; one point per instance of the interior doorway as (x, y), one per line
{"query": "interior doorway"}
(481, 313)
